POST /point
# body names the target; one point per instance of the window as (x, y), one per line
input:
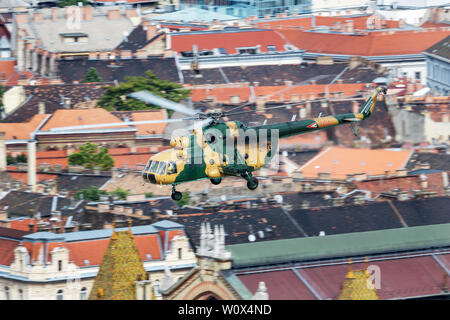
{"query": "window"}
(271, 48)
(187, 54)
(222, 51)
(418, 75)
(172, 168)
(180, 253)
(149, 163)
(83, 294)
(154, 166)
(6, 293)
(205, 53)
(20, 294)
(247, 51)
(162, 168)
(59, 295)
(59, 265)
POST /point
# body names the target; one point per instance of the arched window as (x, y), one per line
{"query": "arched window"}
(20, 294)
(6, 293)
(59, 295)
(83, 294)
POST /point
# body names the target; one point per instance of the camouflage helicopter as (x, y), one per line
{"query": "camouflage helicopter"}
(214, 149)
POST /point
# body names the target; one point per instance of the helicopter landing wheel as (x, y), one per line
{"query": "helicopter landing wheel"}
(176, 195)
(252, 183)
(216, 181)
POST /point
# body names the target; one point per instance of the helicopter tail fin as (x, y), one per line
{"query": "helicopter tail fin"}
(369, 105)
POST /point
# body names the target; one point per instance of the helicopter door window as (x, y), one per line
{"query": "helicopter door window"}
(172, 168)
(154, 166)
(162, 168)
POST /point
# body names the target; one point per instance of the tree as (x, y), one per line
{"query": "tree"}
(114, 97)
(2, 91)
(90, 156)
(184, 199)
(120, 193)
(67, 3)
(21, 158)
(92, 76)
(90, 194)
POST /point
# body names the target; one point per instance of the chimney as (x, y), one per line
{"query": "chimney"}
(355, 106)
(3, 155)
(88, 13)
(41, 107)
(54, 14)
(32, 164)
(38, 17)
(151, 31)
(113, 14)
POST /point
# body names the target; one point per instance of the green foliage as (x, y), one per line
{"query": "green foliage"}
(21, 158)
(114, 98)
(148, 194)
(120, 193)
(67, 3)
(93, 193)
(92, 76)
(184, 199)
(2, 91)
(90, 156)
(90, 194)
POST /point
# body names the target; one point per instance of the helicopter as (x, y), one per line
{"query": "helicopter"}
(214, 149)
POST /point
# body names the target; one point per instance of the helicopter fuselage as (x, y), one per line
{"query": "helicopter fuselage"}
(232, 149)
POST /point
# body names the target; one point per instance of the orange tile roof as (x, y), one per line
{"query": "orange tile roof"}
(16, 131)
(340, 162)
(7, 69)
(79, 117)
(275, 93)
(150, 129)
(23, 176)
(22, 224)
(372, 44)
(306, 139)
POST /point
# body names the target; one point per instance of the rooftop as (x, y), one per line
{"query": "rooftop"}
(340, 162)
(340, 246)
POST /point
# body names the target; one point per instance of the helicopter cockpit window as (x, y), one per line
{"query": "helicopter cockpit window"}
(162, 168)
(154, 166)
(149, 163)
(172, 168)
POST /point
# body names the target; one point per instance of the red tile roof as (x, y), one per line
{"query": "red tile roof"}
(7, 251)
(359, 23)
(408, 277)
(281, 285)
(209, 40)
(372, 44)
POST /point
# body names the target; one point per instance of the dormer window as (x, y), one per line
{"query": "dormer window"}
(271, 48)
(250, 50)
(74, 37)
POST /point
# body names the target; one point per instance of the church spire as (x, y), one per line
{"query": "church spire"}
(120, 268)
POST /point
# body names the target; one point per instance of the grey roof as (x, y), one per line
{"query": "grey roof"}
(442, 48)
(106, 233)
(48, 236)
(103, 33)
(13, 4)
(167, 224)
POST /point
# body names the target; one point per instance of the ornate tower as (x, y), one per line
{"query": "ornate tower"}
(121, 267)
(357, 286)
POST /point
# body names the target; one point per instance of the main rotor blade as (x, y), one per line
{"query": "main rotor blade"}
(150, 98)
(117, 124)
